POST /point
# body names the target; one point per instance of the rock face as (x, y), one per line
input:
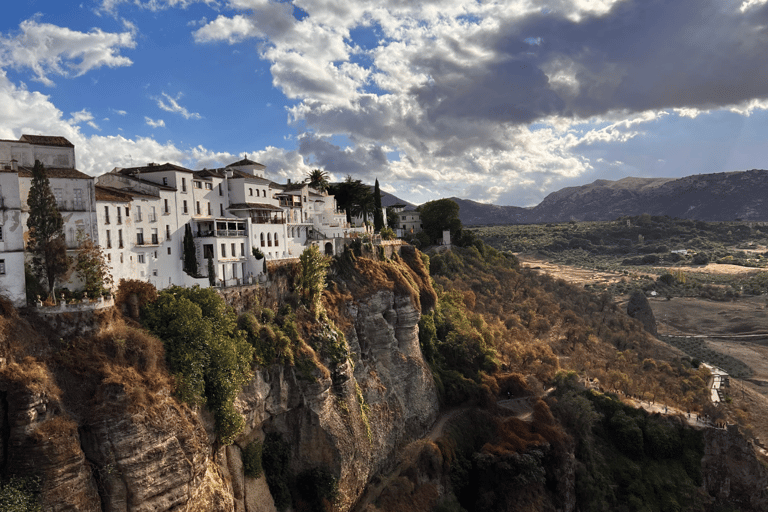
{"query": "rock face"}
(731, 472)
(639, 309)
(353, 421)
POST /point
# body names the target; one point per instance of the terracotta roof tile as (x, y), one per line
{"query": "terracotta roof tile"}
(111, 194)
(46, 140)
(246, 161)
(56, 172)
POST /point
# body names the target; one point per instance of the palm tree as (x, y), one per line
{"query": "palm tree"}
(318, 179)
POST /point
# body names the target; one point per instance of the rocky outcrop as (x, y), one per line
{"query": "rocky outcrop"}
(639, 309)
(353, 421)
(732, 473)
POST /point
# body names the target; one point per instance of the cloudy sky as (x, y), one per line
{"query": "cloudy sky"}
(497, 101)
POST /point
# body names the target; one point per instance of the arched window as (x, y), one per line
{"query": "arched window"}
(258, 193)
(269, 240)
(275, 239)
(262, 239)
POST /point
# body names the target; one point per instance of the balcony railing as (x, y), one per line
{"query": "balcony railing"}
(220, 232)
(152, 217)
(70, 206)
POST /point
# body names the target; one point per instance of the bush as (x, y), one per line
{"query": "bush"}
(20, 495)
(208, 355)
(252, 459)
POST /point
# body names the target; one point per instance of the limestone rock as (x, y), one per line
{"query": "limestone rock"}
(639, 309)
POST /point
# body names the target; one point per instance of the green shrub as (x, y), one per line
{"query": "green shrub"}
(207, 354)
(20, 495)
(252, 459)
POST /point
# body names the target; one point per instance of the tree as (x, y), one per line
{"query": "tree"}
(211, 272)
(311, 280)
(378, 215)
(91, 265)
(350, 195)
(46, 230)
(438, 216)
(190, 252)
(318, 180)
(208, 355)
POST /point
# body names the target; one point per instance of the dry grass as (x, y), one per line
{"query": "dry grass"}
(32, 375)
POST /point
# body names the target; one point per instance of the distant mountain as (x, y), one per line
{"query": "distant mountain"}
(710, 197)
(473, 213)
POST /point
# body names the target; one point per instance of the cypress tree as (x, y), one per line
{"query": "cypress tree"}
(190, 254)
(46, 230)
(378, 215)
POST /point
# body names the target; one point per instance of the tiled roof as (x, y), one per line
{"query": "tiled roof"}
(255, 206)
(154, 168)
(111, 194)
(56, 172)
(46, 140)
(246, 161)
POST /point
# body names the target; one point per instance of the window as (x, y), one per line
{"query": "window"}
(233, 253)
(155, 241)
(166, 210)
(2, 267)
(121, 256)
(119, 215)
(208, 251)
(165, 181)
(109, 240)
(106, 214)
(140, 258)
(79, 204)
(58, 193)
(242, 249)
(154, 272)
(223, 250)
(208, 186)
(154, 255)
(168, 233)
(152, 214)
(257, 193)
(269, 239)
(209, 210)
(138, 213)
(276, 240)
(183, 184)
(220, 189)
(198, 184)
(127, 212)
(251, 191)
(120, 239)
(109, 257)
(184, 208)
(1, 233)
(221, 209)
(197, 207)
(169, 251)
(140, 236)
(262, 239)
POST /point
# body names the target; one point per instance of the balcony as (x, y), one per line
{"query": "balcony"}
(152, 218)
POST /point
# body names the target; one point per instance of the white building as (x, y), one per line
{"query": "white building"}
(139, 216)
(73, 190)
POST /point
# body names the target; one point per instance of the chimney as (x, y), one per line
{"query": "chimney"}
(289, 181)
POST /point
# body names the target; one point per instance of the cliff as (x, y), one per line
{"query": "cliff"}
(94, 417)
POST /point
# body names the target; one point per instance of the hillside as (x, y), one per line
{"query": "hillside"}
(709, 197)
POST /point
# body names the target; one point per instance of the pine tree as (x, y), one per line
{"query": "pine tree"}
(46, 230)
(211, 272)
(378, 215)
(190, 253)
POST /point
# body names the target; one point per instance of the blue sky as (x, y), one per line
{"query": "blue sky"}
(496, 101)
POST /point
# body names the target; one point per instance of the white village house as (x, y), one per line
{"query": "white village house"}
(138, 216)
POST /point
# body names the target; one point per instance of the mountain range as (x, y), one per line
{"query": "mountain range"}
(723, 196)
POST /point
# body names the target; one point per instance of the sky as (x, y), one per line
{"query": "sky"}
(497, 101)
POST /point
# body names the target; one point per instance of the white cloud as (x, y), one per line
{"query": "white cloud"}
(118, 112)
(232, 30)
(154, 124)
(171, 104)
(48, 49)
